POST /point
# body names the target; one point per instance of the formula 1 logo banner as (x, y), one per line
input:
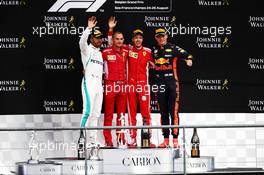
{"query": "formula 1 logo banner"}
(120, 6)
(65, 5)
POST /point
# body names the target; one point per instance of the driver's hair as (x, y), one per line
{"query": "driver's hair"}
(116, 33)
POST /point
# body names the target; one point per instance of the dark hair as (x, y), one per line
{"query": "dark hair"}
(117, 32)
(90, 38)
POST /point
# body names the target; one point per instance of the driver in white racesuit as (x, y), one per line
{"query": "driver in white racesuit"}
(92, 89)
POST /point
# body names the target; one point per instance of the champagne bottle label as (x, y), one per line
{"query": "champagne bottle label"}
(195, 153)
(145, 136)
(145, 143)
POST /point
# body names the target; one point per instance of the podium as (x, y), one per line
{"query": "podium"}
(195, 165)
(123, 161)
(138, 161)
(42, 168)
(142, 161)
(73, 166)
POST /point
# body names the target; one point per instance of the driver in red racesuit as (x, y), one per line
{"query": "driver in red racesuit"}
(138, 63)
(138, 87)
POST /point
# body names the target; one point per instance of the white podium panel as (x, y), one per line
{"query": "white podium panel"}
(124, 161)
(140, 161)
(72, 166)
(24, 168)
(195, 165)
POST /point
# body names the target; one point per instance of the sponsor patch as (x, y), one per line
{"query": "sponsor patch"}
(133, 54)
(111, 57)
(168, 50)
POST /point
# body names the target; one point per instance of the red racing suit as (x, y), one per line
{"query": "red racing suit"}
(139, 90)
(114, 87)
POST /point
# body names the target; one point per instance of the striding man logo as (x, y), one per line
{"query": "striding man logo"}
(226, 2)
(173, 21)
(225, 43)
(71, 64)
(22, 43)
(71, 106)
(22, 86)
(71, 21)
(225, 84)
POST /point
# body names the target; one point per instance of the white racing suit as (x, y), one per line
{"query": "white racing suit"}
(92, 89)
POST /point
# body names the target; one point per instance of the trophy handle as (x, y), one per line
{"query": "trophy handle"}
(90, 152)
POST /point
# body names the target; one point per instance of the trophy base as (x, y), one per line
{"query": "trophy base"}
(32, 161)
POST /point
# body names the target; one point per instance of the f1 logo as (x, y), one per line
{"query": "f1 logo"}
(65, 5)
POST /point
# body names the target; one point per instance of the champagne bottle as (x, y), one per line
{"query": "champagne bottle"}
(195, 151)
(81, 146)
(145, 136)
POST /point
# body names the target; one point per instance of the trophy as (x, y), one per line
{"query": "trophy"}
(94, 152)
(33, 149)
(94, 163)
(122, 134)
(34, 165)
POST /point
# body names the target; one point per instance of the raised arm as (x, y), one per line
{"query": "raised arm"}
(111, 25)
(83, 40)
